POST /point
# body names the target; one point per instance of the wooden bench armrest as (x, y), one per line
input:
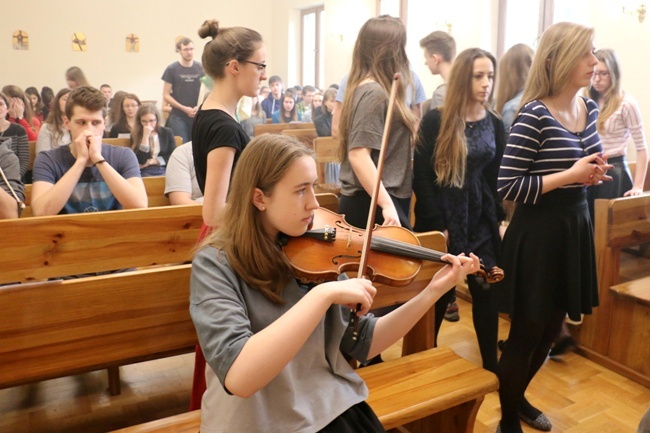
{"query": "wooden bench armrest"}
(636, 290)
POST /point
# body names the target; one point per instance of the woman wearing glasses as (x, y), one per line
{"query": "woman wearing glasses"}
(235, 59)
(152, 143)
(619, 119)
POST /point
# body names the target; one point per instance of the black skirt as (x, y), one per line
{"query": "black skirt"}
(357, 419)
(549, 260)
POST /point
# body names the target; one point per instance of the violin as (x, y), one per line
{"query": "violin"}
(332, 246)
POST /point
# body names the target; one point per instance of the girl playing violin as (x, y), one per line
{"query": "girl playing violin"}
(275, 348)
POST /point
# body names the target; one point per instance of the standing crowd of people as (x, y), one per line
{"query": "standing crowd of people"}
(274, 351)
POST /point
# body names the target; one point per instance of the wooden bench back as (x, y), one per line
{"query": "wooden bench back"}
(45, 247)
(326, 150)
(67, 327)
(305, 136)
(277, 128)
(60, 328)
(619, 223)
(154, 185)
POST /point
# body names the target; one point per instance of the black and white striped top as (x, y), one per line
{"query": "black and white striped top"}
(539, 145)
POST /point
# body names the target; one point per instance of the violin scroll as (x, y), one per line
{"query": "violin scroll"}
(486, 277)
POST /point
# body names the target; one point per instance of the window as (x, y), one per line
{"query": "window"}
(524, 21)
(313, 53)
(394, 8)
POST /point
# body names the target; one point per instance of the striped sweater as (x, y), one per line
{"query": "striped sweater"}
(539, 145)
(624, 123)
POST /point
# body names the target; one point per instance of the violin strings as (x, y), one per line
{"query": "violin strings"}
(405, 249)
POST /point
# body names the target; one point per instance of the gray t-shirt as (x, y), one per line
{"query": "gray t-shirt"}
(91, 194)
(180, 175)
(11, 167)
(370, 104)
(438, 98)
(315, 387)
(186, 84)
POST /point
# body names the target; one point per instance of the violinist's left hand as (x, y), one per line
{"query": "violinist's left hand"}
(455, 272)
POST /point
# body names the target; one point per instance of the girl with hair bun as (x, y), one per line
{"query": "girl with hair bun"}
(235, 59)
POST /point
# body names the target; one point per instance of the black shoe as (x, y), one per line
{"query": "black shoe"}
(562, 346)
(376, 360)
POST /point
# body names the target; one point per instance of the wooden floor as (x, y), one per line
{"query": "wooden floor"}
(577, 395)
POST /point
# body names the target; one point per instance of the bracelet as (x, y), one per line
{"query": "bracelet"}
(99, 162)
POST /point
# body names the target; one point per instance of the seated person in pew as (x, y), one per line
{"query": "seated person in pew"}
(274, 346)
(152, 143)
(128, 108)
(86, 176)
(12, 190)
(181, 185)
(287, 112)
(53, 133)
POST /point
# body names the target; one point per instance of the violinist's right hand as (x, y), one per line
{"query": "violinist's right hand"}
(350, 293)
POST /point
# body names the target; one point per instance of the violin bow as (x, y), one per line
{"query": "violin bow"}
(363, 263)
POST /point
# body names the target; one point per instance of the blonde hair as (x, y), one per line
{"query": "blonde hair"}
(379, 53)
(513, 71)
(560, 48)
(253, 256)
(450, 156)
(613, 96)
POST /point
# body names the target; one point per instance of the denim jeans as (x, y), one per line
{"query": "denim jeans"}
(181, 125)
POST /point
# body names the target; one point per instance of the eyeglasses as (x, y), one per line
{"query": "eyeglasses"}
(601, 74)
(260, 66)
(145, 122)
(131, 106)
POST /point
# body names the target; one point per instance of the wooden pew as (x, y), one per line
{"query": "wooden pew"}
(85, 324)
(615, 335)
(427, 390)
(646, 184)
(154, 185)
(277, 128)
(305, 136)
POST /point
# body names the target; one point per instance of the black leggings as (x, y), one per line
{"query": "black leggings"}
(485, 315)
(528, 346)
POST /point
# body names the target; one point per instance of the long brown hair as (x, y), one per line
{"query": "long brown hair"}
(378, 54)
(252, 254)
(513, 71)
(137, 130)
(122, 123)
(450, 157)
(54, 120)
(613, 96)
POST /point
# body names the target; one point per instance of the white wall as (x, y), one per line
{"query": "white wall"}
(106, 23)
(631, 41)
